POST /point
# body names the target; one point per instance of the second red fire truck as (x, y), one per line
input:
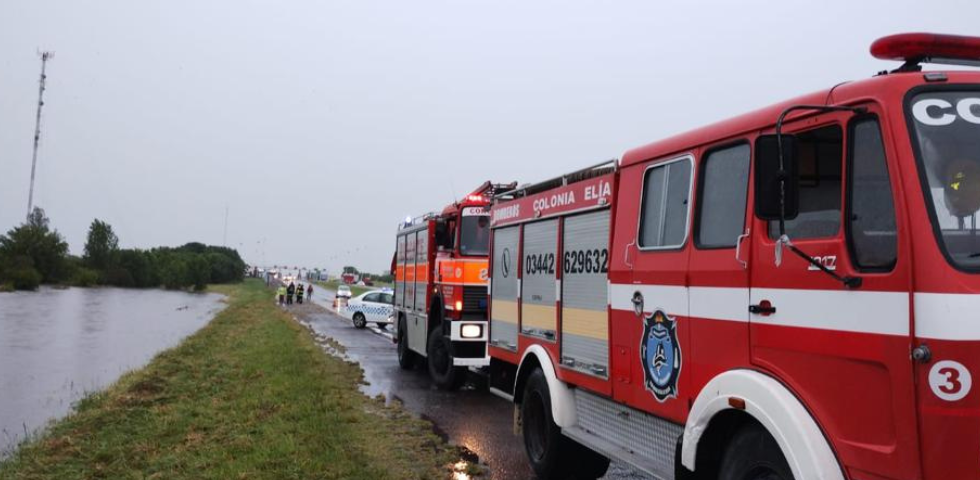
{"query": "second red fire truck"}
(440, 269)
(793, 293)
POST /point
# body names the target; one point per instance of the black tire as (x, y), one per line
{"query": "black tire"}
(753, 455)
(359, 320)
(407, 359)
(440, 362)
(551, 454)
(381, 325)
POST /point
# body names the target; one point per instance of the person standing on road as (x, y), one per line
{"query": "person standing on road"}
(281, 291)
(290, 290)
(309, 292)
(299, 293)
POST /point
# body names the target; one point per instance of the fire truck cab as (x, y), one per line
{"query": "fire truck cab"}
(792, 293)
(440, 271)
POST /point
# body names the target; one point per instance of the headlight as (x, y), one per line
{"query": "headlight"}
(471, 331)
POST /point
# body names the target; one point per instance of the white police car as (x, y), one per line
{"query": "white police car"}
(375, 306)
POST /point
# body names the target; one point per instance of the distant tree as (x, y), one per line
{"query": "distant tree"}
(139, 265)
(350, 269)
(199, 271)
(172, 270)
(224, 269)
(34, 245)
(193, 247)
(102, 247)
(20, 273)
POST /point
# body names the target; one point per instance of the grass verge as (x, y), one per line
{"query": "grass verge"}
(249, 396)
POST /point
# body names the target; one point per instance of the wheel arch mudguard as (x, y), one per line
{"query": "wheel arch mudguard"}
(562, 398)
(776, 408)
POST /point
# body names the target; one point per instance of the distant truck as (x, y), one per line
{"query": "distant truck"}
(349, 278)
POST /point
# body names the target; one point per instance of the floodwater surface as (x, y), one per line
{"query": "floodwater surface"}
(57, 345)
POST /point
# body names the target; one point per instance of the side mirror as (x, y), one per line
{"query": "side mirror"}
(444, 239)
(770, 204)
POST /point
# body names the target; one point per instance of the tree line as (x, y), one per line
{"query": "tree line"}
(34, 253)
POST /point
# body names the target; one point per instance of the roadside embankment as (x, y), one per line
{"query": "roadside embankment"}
(250, 395)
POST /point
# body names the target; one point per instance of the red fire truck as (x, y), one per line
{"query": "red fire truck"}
(440, 269)
(792, 293)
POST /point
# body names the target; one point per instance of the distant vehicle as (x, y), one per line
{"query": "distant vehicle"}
(343, 291)
(375, 306)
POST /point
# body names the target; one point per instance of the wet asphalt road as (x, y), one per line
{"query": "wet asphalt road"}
(471, 417)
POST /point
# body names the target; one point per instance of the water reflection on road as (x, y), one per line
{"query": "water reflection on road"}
(471, 418)
(57, 345)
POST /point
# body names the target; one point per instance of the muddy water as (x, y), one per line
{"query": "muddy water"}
(57, 345)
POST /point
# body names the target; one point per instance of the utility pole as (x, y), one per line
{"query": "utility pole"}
(224, 238)
(45, 56)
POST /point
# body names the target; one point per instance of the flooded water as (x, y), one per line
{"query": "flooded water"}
(57, 345)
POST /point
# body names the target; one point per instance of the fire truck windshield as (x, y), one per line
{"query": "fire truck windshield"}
(474, 235)
(947, 132)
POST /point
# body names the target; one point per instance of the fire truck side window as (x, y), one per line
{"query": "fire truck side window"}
(871, 218)
(723, 188)
(820, 168)
(665, 201)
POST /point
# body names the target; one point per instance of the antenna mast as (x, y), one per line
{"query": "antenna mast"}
(45, 56)
(224, 237)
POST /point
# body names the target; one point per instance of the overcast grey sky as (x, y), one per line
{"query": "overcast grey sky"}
(322, 124)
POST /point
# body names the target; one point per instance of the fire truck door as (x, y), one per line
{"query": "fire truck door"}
(718, 271)
(843, 351)
(650, 315)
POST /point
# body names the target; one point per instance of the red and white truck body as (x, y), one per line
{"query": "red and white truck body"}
(666, 315)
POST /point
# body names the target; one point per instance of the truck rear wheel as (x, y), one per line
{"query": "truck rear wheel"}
(441, 369)
(553, 455)
(407, 359)
(753, 455)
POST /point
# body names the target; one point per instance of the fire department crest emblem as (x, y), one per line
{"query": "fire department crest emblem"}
(660, 354)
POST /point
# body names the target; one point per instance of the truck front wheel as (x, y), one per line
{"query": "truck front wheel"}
(441, 369)
(553, 455)
(754, 455)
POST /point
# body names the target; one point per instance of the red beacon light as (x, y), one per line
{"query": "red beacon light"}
(474, 198)
(916, 48)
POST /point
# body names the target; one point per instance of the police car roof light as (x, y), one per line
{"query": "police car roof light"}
(915, 48)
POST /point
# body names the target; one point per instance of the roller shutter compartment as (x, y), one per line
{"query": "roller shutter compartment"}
(503, 300)
(585, 317)
(539, 258)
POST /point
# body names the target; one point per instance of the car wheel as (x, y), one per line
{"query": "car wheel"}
(407, 359)
(754, 455)
(382, 325)
(359, 320)
(441, 369)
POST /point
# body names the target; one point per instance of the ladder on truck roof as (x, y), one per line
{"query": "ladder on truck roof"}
(597, 170)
